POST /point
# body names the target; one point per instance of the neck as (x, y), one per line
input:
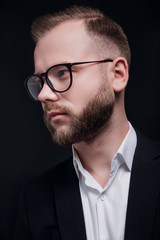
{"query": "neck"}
(96, 154)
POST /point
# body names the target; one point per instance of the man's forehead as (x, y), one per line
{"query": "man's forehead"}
(66, 29)
(67, 35)
(66, 42)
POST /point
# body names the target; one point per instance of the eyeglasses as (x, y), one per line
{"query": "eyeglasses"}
(58, 78)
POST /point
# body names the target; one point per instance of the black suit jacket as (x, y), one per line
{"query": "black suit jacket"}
(51, 208)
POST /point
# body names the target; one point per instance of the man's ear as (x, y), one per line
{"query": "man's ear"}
(120, 74)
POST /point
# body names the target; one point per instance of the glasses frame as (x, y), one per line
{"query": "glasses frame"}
(44, 76)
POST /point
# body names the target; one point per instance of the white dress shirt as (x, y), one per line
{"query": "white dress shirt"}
(105, 208)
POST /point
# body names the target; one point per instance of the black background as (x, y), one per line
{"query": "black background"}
(26, 148)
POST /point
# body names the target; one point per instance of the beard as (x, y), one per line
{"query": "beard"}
(85, 126)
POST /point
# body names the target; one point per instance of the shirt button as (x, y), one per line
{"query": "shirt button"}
(103, 197)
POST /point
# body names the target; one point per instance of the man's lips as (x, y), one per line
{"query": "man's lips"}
(55, 115)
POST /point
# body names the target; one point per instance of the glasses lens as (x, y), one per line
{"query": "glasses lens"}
(34, 86)
(60, 78)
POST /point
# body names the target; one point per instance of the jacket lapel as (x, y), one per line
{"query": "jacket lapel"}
(143, 192)
(68, 202)
(142, 200)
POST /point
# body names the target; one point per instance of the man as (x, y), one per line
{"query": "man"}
(109, 189)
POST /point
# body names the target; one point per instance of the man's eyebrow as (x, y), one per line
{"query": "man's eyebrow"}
(60, 63)
(37, 73)
(40, 72)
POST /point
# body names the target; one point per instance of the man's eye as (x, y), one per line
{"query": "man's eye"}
(62, 73)
(58, 73)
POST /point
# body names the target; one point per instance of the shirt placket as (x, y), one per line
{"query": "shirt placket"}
(103, 234)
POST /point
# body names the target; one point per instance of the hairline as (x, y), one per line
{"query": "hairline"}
(100, 41)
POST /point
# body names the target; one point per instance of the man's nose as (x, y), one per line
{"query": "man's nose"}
(47, 94)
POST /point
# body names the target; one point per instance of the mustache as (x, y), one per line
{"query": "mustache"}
(52, 107)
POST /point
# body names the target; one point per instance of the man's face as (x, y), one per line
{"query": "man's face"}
(81, 112)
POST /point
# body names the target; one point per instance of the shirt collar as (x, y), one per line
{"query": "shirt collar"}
(125, 152)
(127, 147)
(77, 163)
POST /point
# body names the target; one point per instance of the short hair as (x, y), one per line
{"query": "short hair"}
(96, 23)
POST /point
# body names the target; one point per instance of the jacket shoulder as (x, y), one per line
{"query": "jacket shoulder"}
(147, 147)
(44, 180)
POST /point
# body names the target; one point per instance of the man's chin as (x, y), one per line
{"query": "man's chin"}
(59, 128)
(61, 135)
